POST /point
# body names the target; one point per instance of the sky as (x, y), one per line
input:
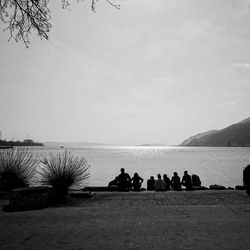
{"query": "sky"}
(152, 72)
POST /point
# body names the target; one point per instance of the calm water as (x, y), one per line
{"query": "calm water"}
(214, 165)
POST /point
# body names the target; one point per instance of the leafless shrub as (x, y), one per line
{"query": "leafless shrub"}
(63, 170)
(17, 167)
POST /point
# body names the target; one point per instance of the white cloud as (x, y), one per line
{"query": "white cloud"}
(244, 7)
(241, 65)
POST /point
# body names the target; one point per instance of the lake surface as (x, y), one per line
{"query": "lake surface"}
(214, 165)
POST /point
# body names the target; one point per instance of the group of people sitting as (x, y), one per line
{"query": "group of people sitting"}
(175, 183)
(125, 183)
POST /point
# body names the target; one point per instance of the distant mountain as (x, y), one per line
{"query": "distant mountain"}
(71, 144)
(235, 135)
(198, 137)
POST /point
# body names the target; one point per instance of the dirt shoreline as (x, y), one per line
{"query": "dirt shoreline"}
(146, 220)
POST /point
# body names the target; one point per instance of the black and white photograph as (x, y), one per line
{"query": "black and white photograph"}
(125, 124)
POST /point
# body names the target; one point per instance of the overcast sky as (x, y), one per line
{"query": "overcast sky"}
(156, 71)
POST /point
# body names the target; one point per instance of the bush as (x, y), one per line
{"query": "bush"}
(62, 171)
(17, 167)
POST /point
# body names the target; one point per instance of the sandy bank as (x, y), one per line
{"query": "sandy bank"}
(171, 220)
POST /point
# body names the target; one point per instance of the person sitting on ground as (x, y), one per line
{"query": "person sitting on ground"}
(151, 184)
(136, 182)
(196, 180)
(176, 182)
(246, 178)
(124, 181)
(160, 185)
(167, 180)
(113, 183)
(187, 181)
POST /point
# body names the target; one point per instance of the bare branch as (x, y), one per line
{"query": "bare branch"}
(117, 6)
(23, 16)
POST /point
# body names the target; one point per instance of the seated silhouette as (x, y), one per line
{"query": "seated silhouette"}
(136, 182)
(151, 184)
(124, 181)
(168, 182)
(176, 182)
(187, 181)
(113, 183)
(246, 178)
(196, 180)
(160, 184)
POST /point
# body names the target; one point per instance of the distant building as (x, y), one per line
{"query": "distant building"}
(0, 135)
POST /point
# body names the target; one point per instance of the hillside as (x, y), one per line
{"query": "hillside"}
(234, 135)
(198, 137)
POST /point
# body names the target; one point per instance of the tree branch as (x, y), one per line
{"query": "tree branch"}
(23, 16)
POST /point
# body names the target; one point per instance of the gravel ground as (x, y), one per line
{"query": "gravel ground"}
(146, 220)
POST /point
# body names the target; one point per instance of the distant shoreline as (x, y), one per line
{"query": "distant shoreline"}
(26, 143)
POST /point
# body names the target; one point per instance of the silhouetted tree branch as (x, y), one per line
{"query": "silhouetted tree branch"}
(23, 16)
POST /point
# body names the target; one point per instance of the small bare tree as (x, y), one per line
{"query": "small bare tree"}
(23, 16)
